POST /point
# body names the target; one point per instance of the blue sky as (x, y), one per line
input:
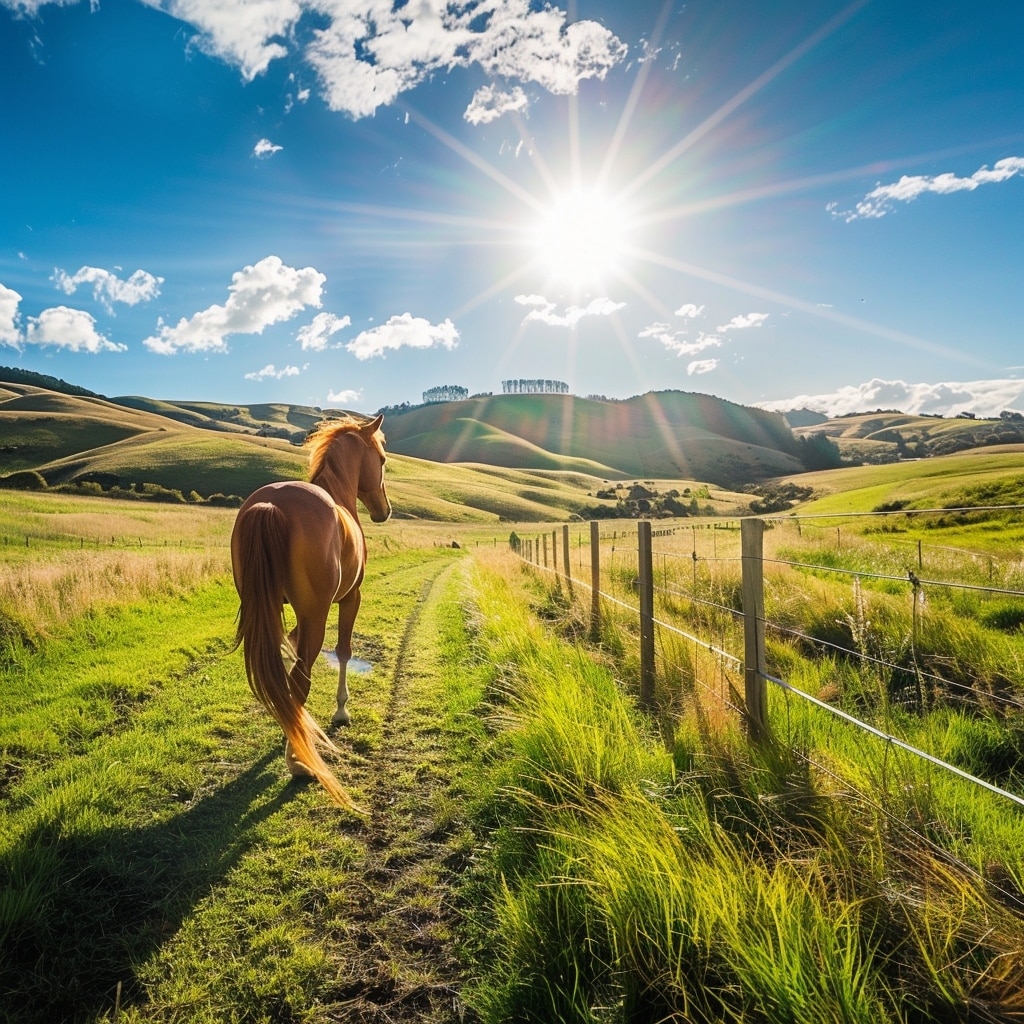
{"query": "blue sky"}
(346, 202)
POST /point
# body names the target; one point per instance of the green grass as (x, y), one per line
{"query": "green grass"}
(639, 877)
(153, 855)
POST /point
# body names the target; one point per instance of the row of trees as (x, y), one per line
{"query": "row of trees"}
(534, 387)
(445, 393)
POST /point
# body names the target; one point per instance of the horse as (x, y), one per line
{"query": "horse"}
(302, 544)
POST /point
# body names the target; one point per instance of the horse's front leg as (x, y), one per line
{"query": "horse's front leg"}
(348, 608)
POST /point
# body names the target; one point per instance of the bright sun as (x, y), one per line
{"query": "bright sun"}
(580, 238)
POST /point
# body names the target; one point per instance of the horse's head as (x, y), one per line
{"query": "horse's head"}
(372, 492)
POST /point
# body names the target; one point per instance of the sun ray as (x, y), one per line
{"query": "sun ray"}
(794, 185)
(632, 100)
(485, 166)
(831, 315)
(727, 108)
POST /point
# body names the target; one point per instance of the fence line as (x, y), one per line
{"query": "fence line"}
(753, 665)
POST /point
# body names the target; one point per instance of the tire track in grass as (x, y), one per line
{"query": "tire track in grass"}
(397, 942)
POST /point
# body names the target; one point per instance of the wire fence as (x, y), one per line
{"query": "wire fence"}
(701, 589)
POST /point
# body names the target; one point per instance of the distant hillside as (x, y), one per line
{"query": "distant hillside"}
(803, 417)
(15, 375)
(664, 434)
(132, 449)
(882, 437)
(287, 422)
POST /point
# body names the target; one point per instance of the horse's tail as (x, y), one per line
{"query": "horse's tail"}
(262, 555)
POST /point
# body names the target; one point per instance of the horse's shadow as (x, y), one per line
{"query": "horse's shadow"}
(112, 897)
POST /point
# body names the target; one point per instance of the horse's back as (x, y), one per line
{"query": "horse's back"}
(325, 553)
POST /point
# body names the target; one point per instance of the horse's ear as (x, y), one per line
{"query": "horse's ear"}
(373, 426)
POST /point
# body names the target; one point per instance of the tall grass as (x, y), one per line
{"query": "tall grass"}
(644, 876)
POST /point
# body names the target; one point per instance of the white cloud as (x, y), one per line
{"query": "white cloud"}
(9, 332)
(537, 46)
(699, 366)
(490, 102)
(315, 336)
(741, 323)
(347, 397)
(880, 200)
(72, 329)
(544, 310)
(403, 331)
(244, 33)
(264, 294)
(689, 310)
(108, 288)
(265, 148)
(367, 52)
(985, 398)
(271, 371)
(677, 341)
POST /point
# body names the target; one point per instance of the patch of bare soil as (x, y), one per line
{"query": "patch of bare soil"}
(397, 944)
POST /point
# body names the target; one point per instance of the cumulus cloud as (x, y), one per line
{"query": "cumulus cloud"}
(986, 398)
(403, 331)
(263, 294)
(265, 148)
(108, 288)
(699, 366)
(490, 102)
(346, 397)
(10, 334)
(881, 200)
(271, 371)
(366, 52)
(743, 322)
(316, 336)
(677, 341)
(247, 35)
(544, 310)
(71, 329)
(689, 310)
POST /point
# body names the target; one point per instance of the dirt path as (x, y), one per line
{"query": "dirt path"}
(397, 944)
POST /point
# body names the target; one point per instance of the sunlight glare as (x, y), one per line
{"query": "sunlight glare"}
(580, 238)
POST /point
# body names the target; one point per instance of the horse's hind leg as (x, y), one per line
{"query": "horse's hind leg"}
(307, 639)
(348, 608)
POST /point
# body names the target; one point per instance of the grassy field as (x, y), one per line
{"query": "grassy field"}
(655, 869)
(536, 849)
(156, 862)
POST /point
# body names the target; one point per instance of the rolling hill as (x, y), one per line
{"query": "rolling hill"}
(882, 437)
(88, 442)
(666, 435)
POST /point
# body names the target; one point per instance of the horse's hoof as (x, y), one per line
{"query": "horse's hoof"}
(341, 718)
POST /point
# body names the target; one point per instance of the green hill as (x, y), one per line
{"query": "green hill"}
(982, 476)
(667, 435)
(91, 443)
(881, 437)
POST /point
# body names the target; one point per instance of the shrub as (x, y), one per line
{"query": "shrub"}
(24, 480)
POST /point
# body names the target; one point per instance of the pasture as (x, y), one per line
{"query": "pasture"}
(536, 849)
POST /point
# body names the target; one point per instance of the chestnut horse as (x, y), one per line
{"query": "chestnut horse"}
(302, 544)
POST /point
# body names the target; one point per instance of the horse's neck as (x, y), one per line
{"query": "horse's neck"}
(341, 486)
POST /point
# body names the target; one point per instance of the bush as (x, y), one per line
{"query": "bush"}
(24, 480)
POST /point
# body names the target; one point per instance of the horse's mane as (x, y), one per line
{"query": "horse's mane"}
(319, 442)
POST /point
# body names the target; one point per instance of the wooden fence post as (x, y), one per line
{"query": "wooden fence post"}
(554, 552)
(565, 558)
(752, 549)
(545, 540)
(646, 588)
(595, 581)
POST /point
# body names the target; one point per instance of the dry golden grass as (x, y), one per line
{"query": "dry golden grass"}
(49, 593)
